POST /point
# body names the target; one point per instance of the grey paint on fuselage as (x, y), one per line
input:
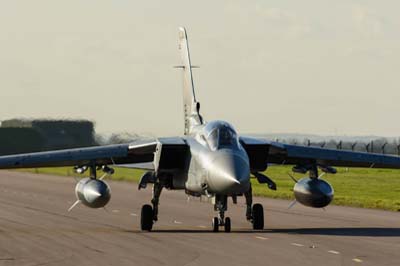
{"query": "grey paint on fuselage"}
(224, 169)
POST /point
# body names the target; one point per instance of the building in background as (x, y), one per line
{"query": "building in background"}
(24, 135)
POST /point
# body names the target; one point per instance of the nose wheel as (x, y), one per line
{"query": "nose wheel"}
(221, 206)
(227, 225)
(217, 222)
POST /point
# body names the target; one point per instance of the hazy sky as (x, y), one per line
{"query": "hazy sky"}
(322, 67)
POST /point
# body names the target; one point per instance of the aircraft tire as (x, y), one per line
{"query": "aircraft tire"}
(146, 218)
(258, 217)
(215, 224)
(227, 225)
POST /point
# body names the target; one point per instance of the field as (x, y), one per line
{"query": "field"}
(366, 188)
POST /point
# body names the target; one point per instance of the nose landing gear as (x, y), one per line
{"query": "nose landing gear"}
(221, 206)
(217, 222)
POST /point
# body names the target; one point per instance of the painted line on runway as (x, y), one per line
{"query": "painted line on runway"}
(297, 244)
(334, 252)
(133, 214)
(357, 260)
(202, 226)
(115, 211)
(261, 238)
(177, 222)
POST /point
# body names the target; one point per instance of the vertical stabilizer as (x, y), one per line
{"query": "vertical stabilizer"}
(191, 107)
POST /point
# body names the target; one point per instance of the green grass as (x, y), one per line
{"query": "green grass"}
(359, 187)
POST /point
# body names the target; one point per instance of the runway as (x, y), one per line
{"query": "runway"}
(36, 229)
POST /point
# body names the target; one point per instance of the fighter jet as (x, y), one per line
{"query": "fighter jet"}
(209, 160)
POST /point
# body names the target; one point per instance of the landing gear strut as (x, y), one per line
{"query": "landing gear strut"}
(249, 201)
(254, 213)
(221, 206)
(157, 188)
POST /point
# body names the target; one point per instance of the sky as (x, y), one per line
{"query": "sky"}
(311, 66)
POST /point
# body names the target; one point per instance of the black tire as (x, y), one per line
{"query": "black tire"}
(258, 217)
(215, 224)
(227, 225)
(146, 218)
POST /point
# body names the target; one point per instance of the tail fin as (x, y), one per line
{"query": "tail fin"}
(191, 107)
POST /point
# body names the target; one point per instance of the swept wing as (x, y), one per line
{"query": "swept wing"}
(263, 152)
(130, 153)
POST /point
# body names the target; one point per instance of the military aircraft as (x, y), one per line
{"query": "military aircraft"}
(210, 160)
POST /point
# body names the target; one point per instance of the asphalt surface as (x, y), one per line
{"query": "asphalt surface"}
(36, 229)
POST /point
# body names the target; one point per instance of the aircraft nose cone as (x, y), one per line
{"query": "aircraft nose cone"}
(229, 174)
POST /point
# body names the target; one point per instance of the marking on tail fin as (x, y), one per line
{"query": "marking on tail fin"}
(184, 67)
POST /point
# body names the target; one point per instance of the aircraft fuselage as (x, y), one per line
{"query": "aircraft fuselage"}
(218, 163)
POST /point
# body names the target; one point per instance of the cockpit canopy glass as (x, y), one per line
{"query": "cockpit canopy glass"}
(220, 135)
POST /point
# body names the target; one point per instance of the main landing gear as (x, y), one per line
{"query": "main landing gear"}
(221, 206)
(149, 213)
(254, 213)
